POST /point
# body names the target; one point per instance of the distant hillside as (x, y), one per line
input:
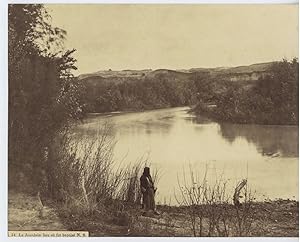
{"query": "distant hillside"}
(117, 74)
(260, 67)
(110, 90)
(239, 73)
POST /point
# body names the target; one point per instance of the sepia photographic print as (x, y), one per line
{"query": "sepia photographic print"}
(153, 120)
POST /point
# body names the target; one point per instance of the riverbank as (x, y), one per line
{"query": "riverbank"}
(128, 111)
(269, 219)
(27, 213)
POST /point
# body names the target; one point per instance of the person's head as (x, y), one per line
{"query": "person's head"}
(147, 171)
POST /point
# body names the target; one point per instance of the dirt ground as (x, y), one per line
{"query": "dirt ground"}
(26, 213)
(271, 219)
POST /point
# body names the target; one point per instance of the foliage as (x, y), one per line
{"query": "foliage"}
(138, 94)
(209, 210)
(88, 183)
(272, 100)
(150, 91)
(43, 93)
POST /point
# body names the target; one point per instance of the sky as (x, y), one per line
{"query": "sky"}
(118, 37)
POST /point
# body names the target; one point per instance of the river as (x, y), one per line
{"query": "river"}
(174, 141)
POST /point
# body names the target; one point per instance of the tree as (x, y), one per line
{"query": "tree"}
(272, 100)
(43, 93)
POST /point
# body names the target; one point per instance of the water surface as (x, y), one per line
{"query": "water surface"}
(175, 140)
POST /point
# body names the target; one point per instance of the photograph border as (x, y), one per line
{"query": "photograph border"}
(4, 116)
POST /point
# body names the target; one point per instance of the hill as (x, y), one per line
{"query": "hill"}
(239, 73)
(137, 90)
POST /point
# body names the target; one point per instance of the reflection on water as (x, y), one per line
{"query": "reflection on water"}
(175, 140)
(269, 139)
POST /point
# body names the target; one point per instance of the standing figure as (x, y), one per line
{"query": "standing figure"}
(148, 191)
